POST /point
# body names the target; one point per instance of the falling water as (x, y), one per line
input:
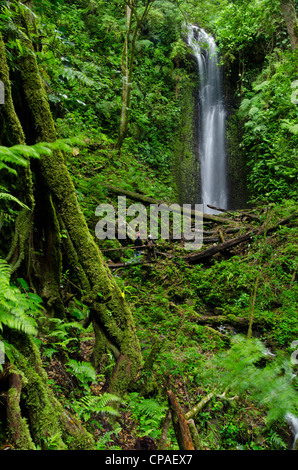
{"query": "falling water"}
(212, 120)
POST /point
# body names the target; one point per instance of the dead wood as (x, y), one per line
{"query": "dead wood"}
(209, 252)
(149, 200)
(181, 428)
(162, 444)
(206, 254)
(194, 434)
(196, 409)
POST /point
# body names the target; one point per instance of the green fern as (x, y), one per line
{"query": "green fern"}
(149, 412)
(82, 370)
(16, 308)
(10, 197)
(75, 75)
(92, 405)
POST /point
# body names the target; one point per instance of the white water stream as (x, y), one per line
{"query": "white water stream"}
(212, 120)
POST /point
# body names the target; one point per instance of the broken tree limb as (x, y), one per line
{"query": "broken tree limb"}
(162, 443)
(205, 254)
(194, 434)
(181, 428)
(149, 200)
(131, 247)
(196, 409)
(128, 265)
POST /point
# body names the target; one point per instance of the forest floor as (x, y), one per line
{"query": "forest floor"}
(195, 307)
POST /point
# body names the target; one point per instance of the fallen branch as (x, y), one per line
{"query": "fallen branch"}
(196, 409)
(194, 434)
(149, 200)
(181, 428)
(205, 254)
(162, 443)
(131, 247)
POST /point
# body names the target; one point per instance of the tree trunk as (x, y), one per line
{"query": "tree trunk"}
(127, 62)
(112, 319)
(181, 428)
(47, 424)
(18, 431)
(288, 10)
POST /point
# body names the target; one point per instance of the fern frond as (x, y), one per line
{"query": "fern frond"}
(82, 370)
(92, 404)
(15, 307)
(10, 197)
(74, 75)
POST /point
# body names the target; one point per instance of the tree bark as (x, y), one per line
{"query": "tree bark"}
(127, 61)
(113, 320)
(47, 424)
(162, 443)
(288, 10)
(206, 254)
(181, 428)
(19, 434)
(149, 200)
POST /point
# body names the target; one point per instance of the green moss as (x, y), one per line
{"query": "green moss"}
(49, 423)
(186, 164)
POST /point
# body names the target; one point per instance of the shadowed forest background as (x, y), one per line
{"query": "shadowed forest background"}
(191, 350)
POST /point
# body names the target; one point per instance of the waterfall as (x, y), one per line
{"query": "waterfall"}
(212, 120)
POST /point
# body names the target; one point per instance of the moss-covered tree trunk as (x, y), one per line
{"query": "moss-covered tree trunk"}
(111, 316)
(289, 13)
(128, 60)
(47, 424)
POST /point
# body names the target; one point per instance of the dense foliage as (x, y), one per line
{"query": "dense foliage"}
(79, 50)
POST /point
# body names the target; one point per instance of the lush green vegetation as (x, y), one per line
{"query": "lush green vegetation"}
(221, 329)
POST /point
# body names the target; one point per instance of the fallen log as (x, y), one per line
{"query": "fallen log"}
(239, 213)
(237, 323)
(194, 434)
(162, 443)
(131, 247)
(205, 254)
(149, 200)
(220, 319)
(181, 428)
(128, 265)
(197, 408)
